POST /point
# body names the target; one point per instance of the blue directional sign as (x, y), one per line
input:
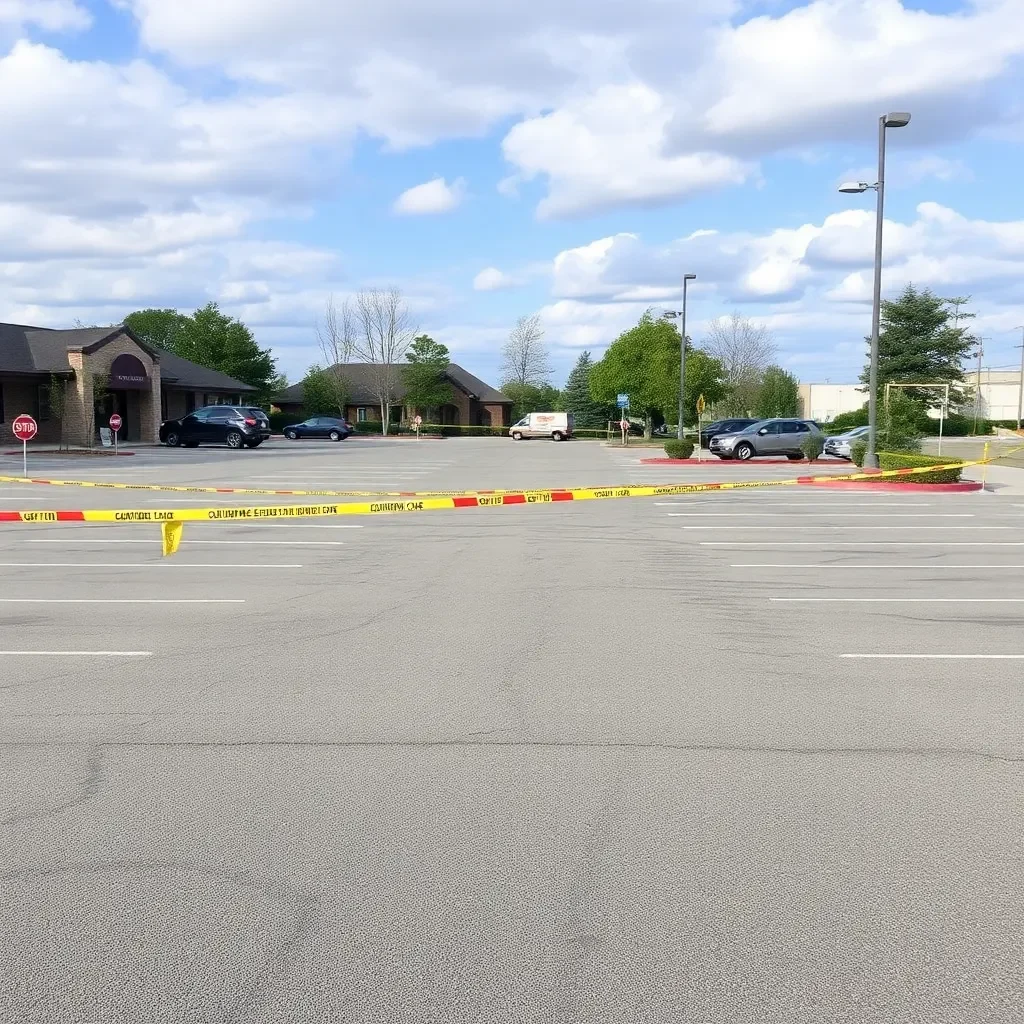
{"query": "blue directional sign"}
(623, 402)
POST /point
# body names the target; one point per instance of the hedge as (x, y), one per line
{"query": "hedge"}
(280, 420)
(899, 460)
(676, 449)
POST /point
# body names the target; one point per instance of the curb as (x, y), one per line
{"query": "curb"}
(963, 487)
(72, 453)
(714, 460)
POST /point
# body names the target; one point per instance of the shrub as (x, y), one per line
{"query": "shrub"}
(280, 420)
(676, 449)
(903, 460)
(848, 420)
(812, 446)
(857, 451)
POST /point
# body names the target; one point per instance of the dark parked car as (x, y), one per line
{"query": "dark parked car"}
(333, 427)
(235, 426)
(765, 437)
(722, 427)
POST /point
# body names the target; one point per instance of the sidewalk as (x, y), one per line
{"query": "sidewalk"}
(1008, 480)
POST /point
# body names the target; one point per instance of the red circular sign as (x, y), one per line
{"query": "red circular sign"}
(115, 423)
(24, 427)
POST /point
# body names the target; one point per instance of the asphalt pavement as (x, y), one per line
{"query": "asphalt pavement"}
(749, 756)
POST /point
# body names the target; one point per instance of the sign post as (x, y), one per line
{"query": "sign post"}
(25, 428)
(115, 426)
(701, 406)
(417, 420)
(623, 403)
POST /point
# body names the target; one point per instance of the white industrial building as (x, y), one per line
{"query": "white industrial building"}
(1000, 392)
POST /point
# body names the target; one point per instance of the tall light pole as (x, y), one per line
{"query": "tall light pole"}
(894, 119)
(671, 315)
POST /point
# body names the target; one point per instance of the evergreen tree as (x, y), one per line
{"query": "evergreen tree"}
(426, 386)
(922, 339)
(576, 396)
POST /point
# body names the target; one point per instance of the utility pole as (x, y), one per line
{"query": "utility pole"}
(977, 391)
(1020, 395)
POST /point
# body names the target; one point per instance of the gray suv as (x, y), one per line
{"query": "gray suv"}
(766, 437)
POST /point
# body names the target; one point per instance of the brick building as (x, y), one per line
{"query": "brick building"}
(473, 402)
(100, 371)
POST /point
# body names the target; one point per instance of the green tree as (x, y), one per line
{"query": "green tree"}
(779, 394)
(426, 383)
(576, 396)
(212, 339)
(923, 338)
(323, 392)
(643, 363)
(527, 398)
(157, 327)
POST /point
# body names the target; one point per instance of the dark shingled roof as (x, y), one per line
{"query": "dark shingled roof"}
(39, 350)
(361, 391)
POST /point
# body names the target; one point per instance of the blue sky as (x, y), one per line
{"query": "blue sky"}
(495, 160)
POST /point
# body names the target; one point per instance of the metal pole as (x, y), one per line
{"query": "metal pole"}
(871, 455)
(682, 362)
(1020, 396)
(24, 458)
(977, 393)
(942, 417)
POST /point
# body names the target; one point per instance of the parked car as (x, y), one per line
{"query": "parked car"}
(556, 425)
(336, 428)
(765, 437)
(235, 426)
(732, 426)
(840, 446)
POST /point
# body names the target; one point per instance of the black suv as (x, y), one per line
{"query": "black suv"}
(233, 425)
(722, 427)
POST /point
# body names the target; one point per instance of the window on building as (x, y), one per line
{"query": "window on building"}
(43, 411)
(361, 414)
(1, 402)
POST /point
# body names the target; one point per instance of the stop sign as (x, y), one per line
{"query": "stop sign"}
(115, 423)
(24, 427)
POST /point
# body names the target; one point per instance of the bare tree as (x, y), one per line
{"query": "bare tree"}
(384, 330)
(745, 349)
(524, 358)
(336, 336)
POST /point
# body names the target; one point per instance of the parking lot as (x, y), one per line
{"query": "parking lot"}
(749, 756)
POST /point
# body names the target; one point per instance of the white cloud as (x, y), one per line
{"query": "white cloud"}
(607, 149)
(491, 279)
(49, 15)
(434, 196)
(608, 108)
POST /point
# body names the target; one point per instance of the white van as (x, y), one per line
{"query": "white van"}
(556, 425)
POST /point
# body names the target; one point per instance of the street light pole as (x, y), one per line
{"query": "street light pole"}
(895, 119)
(682, 356)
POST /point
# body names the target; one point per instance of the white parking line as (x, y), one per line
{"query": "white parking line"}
(827, 565)
(862, 544)
(168, 564)
(121, 600)
(817, 504)
(275, 543)
(81, 654)
(832, 529)
(824, 515)
(936, 657)
(898, 600)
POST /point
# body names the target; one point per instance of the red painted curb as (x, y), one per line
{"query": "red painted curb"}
(713, 460)
(963, 487)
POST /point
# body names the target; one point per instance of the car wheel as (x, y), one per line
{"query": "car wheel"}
(744, 451)
(517, 435)
(291, 435)
(172, 440)
(234, 439)
(334, 435)
(557, 436)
